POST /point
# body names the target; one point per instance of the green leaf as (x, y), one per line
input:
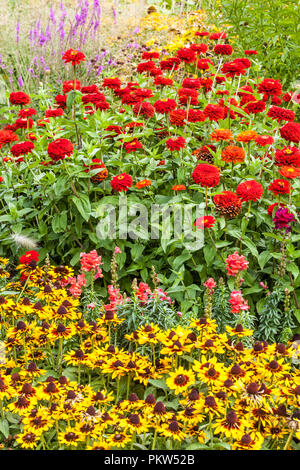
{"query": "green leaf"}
(70, 99)
(158, 384)
(249, 244)
(293, 268)
(196, 446)
(209, 254)
(4, 427)
(263, 258)
(83, 205)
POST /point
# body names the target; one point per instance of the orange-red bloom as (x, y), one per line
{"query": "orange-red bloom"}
(233, 153)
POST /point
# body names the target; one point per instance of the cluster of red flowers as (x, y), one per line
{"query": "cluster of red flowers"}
(175, 111)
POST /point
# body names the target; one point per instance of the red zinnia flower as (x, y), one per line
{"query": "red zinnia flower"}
(232, 69)
(243, 62)
(191, 83)
(90, 89)
(289, 156)
(132, 146)
(250, 52)
(22, 148)
(196, 115)
(214, 112)
(23, 123)
(69, 85)
(270, 87)
(206, 221)
(279, 187)
(255, 107)
(178, 117)
(121, 182)
(29, 257)
(217, 36)
(201, 33)
(59, 149)
(264, 140)
(228, 204)
(206, 175)
(223, 49)
(165, 106)
(146, 66)
(162, 81)
(19, 97)
(175, 144)
(287, 97)
(271, 208)
(73, 56)
(202, 64)
(206, 83)
(143, 109)
(7, 137)
(61, 100)
(93, 98)
(199, 48)
(249, 190)
(186, 54)
(291, 132)
(112, 83)
(143, 93)
(150, 55)
(170, 64)
(281, 114)
(24, 113)
(56, 112)
(130, 99)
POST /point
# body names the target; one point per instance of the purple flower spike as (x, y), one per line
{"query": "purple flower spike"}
(20, 82)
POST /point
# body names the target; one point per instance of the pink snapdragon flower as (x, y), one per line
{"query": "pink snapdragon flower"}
(143, 292)
(117, 250)
(237, 302)
(115, 297)
(236, 263)
(90, 261)
(161, 294)
(263, 285)
(92, 305)
(210, 284)
(76, 284)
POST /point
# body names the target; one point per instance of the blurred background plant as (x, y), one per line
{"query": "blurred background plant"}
(35, 33)
(271, 27)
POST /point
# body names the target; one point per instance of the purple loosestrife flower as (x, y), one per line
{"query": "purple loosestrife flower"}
(18, 32)
(11, 73)
(100, 69)
(114, 15)
(52, 16)
(20, 82)
(97, 8)
(42, 39)
(2, 65)
(283, 218)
